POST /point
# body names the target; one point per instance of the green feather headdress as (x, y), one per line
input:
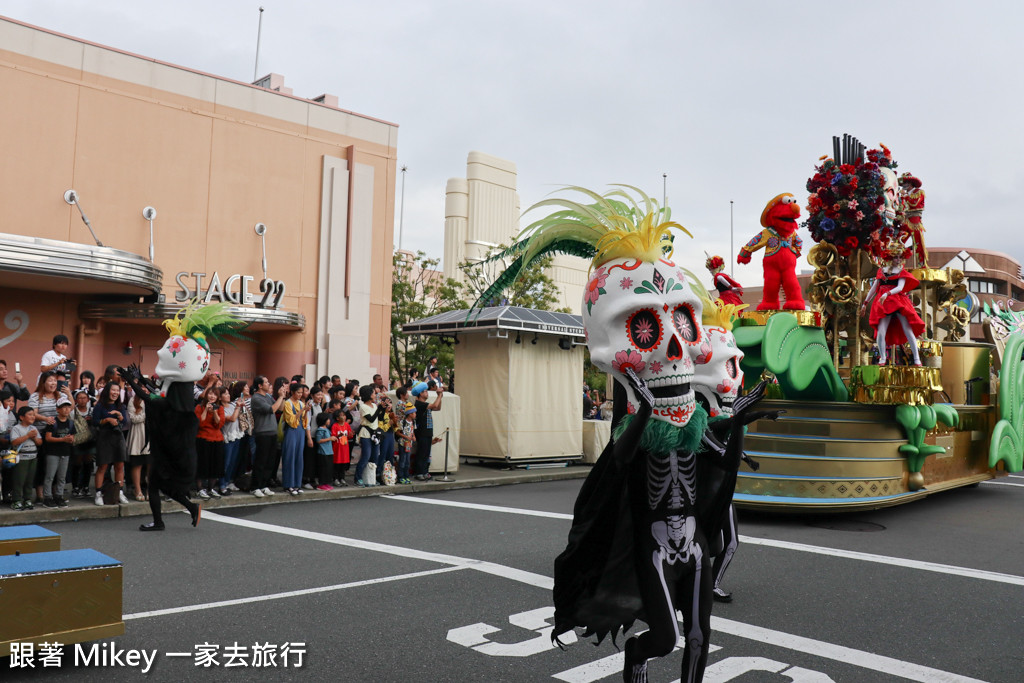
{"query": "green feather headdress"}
(206, 322)
(615, 225)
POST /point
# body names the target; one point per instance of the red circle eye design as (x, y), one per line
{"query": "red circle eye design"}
(732, 368)
(685, 323)
(644, 329)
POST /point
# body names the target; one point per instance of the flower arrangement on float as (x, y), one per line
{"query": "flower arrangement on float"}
(845, 202)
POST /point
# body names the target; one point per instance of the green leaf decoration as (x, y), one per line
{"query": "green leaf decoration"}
(798, 356)
(916, 422)
(1007, 444)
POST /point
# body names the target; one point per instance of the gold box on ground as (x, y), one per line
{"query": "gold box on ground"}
(69, 596)
(27, 538)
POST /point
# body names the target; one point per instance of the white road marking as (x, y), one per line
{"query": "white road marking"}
(441, 558)
(480, 506)
(838, 653)
(288, 594)
(772, 543)
(817, 648)
(607, 666)
(1001, 483)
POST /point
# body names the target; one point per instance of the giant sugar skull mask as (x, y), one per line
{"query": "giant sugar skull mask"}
(645, 316)
(181, 359)
(718, 378)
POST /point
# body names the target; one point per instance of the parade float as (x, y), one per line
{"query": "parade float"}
(886, 399)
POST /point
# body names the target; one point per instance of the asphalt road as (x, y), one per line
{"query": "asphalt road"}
(417, 589)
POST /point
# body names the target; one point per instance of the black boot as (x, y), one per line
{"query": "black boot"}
(151, 526)
(721, 595)
(633, 671)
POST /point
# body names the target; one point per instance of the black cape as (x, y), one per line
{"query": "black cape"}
(595, 584)
(172, 425)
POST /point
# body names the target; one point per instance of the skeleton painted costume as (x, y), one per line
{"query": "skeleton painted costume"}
(638, 546)
(171, 422)
(717, 382)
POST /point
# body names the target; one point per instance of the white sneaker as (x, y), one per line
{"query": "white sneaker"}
(267, 491)
(308, 487)
(121, 497)
(204, 494)
(99, 498)
(231, 487)
(258, 493)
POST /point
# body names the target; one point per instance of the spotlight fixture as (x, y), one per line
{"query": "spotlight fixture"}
(534, 341)
(261, 230)
(149, 213)
(519, 340)
(72, 198)
(565, 343)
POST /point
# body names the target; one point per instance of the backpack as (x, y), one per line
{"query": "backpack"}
(83, 430)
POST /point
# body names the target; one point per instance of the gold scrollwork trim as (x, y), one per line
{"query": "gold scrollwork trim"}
(930, 275)
(927, 347)
(760, 318)
(894, 384)
(822, 488)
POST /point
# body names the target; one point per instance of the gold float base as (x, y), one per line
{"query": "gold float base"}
(760, 318)
(894, 384)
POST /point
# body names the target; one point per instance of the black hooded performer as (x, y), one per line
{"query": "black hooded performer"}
(638, 545)
(171, 421)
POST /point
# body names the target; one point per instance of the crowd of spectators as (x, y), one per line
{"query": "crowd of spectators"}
(264, 438)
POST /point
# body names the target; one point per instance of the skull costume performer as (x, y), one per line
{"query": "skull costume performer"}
(717, 382)
(171, 422)
(638, 545)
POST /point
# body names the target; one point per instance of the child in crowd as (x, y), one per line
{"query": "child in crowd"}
(84, 452)
(324, 441)
(8, 419)
(343, 433)
(406, 441)
(24, 437)
(60, 439)
(209, 443)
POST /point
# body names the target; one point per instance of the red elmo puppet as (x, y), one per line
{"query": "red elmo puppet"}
(781, 247)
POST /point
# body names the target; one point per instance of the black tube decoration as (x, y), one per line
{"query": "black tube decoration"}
(835, 148)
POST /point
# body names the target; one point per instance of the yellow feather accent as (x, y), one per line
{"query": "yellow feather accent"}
(721, 314)
(646, 242)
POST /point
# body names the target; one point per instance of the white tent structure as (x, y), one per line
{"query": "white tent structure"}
(519, 373)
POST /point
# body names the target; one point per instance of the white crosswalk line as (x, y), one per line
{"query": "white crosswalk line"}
(934, 567)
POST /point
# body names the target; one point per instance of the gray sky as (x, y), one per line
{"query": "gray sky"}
(733, 100)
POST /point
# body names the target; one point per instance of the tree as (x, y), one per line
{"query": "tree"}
(534, 289)
(419, 290)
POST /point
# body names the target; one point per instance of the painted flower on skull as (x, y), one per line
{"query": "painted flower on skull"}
(174, 345)
(595, 287)
(656, 368)
(626, 282)
(628, 359)
(724, 388)
(705, 353)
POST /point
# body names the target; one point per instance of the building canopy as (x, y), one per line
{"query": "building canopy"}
(503, 318)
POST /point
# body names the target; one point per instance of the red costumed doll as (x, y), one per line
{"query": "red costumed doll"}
(729, 291)
(781, 247)
(893, 305)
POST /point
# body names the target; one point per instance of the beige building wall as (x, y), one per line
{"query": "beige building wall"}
(214, 157)
(482, 211)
